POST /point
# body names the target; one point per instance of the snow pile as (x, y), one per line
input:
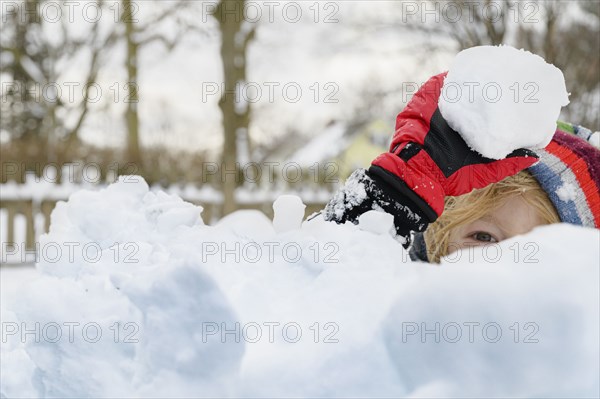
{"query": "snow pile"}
(500, 99)
(115, 309)
(239, 310)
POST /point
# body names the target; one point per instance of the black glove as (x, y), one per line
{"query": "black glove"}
(367, 190)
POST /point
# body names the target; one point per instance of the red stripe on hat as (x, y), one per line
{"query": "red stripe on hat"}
(580, 169)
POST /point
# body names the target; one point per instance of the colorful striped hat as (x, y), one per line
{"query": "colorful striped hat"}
(569, 172)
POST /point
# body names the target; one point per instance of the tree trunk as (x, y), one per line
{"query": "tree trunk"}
(233, 55)
(131, 100)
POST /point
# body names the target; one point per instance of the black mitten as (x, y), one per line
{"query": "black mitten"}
(367, 190)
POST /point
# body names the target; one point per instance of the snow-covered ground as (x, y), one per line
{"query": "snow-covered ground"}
(135, 296)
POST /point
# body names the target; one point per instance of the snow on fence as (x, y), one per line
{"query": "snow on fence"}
(25, 209)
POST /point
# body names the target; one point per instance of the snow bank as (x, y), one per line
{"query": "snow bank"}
(500, 99)
(238, 309)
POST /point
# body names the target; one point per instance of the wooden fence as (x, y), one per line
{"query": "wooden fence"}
(36, 212)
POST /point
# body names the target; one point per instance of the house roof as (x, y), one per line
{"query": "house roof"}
(325, 146)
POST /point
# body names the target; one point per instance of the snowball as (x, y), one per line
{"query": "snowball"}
(500, 99)
(376, 222)
(289, 212)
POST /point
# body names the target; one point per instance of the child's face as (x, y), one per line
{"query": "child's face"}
(514, 217)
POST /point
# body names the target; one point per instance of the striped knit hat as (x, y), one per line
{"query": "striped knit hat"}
(569, 172)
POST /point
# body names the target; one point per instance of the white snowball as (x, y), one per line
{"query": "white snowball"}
(500, 99)
(376, 222)
(289, 212)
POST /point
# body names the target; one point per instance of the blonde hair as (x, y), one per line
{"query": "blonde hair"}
(470, 207)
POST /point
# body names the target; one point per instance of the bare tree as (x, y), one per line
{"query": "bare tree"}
(236, 35)
(29, 60)
(32, 60)
(137, 36)
(572, 44)
(464, 22)
(19, 116)
(566, 34)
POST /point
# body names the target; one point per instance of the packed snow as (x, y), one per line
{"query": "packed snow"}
(288, 213)
(135, 296)
(376, 222)
(500, 99)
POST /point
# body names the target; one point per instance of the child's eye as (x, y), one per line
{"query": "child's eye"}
(483, 237)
